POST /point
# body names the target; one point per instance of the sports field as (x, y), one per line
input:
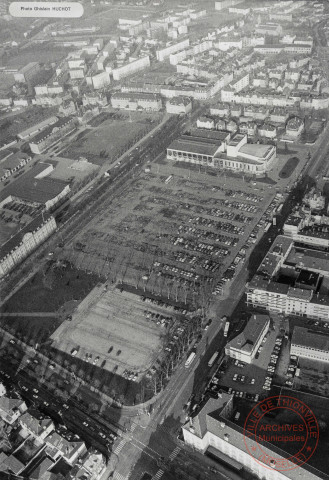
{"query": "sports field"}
(107, 141)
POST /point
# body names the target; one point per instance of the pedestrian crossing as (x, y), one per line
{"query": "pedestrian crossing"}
(158, 475)
(119, 447)
(133, 427)
(174, 453)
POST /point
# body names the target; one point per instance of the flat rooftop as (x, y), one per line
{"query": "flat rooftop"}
(196, 145)
(34, 190)
(309, 259)
(307, 338)
(218, 135)
(260, 151)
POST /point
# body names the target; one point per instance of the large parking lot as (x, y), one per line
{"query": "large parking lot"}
(124, 332)
(174, 233)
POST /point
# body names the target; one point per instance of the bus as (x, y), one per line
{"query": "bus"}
(213, 359)
(227, 326)
(168, 179)
(190, 359)
(279, 208)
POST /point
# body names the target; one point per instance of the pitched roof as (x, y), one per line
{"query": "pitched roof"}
(41, 469)
(32, 189)
(17, 239)
(35, 425)
(68, 448)
(247, 339)
(306, 338)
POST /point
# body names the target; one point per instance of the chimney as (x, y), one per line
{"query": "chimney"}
(226, 437)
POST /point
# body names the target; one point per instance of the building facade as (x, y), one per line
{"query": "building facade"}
(52, 134)
(136, 101)
(22, 244)
(307, 344)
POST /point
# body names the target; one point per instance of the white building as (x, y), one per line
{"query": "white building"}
(98, 80)
(245, 345)
(135, 101)
(212, 432)
(15, 250)
(236, 155)
(294, 127)
(222, 4)
(205, 122)
(164, 53)
(130, 68)
(179, 105)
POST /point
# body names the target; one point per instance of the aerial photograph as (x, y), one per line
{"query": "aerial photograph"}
(164, 238)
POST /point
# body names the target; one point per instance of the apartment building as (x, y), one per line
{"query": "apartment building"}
(52, 134)
(130, 68)
(164, 53)
(210, 431)
(11, 409)
(272, 29)
(134, 101)
(17, 248)
(222, 4)
(301, 297)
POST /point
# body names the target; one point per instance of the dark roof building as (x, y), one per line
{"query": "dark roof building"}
(35, 186)
(245, 345)
(308, 344)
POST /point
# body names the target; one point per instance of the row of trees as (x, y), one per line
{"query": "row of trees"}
(176, 351)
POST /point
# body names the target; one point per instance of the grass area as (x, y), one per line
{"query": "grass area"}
(31, 328)
(289, 167)
(43, 53)
(51, 288)
(107, 141)
(7, 81)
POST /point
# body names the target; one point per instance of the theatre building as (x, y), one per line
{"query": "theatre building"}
(235, 154)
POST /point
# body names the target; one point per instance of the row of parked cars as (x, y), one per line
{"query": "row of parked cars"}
(209, 235)
(158, 318)
(159, 303)
(292, 371)
(252, 197)
(272, 363)
(224, 226)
